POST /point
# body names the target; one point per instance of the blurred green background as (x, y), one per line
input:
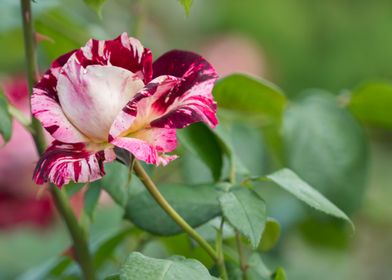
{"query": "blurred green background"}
(297, 44)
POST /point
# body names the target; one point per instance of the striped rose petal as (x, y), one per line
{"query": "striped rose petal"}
(64, 162)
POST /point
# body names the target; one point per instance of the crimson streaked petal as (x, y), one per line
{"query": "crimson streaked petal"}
(137, 113)
(63, 162)
(150, 145)
(45, 105)
(191, 101)
(123, 51)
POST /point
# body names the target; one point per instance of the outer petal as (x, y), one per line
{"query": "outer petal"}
(46, 108)
(124, 52)
(92, 97)
(63, 162)
(149, 145)
(191, 101)
(138, 113)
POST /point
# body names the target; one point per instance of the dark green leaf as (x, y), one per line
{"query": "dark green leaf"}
(372, 104)
(91, 198)
(226, 143)
(270, 236)
(254, 97)
(327, 148)
(246, 212)
(187, 5)
(5, 119)
(138, 267)
(96, 5)
(199, 139)
(115, 182)
(290, 182)
(196, 204)
(246, 94)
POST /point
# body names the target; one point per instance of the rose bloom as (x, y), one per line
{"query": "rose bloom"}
(109, 94)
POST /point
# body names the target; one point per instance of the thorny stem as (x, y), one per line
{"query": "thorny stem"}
(156, 194)
(81, 248)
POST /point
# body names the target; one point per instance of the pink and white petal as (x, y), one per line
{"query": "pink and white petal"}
(92, 97)
(191, 101)
(62, 163)
(149, 145)
(137, 113)
(124, 52)
(46, 108)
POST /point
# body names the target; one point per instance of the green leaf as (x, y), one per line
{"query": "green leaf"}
(254, 97)
(279, 274)
(227, 146)
(246, 212)
(372, 104)
(201, 141)
(5, 119)
(247, 94)
(196, 204)
(270, 236)
(91, 198)
(290, 182)
(96, 5)
(138, 267)
(115, 182)
(257, 269)
(187, 5)
(327, 148)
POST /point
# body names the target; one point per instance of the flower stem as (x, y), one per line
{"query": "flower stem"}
(242, 257)
(154, 191)
(219, 242)
(82, 254)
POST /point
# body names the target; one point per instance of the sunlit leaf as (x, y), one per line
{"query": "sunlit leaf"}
(279, 274)
(246, 212)
(290, 182)
(138, 266)
(187, 5)
(372, 104)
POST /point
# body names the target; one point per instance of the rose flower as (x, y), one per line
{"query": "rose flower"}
(109, 94)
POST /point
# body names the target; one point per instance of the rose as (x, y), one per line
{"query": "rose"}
(109, 94)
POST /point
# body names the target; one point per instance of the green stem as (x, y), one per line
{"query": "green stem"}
(219, 249)
(242, 257)
(60, 199)
(82, 252)
(154, 191)
(32, 69)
